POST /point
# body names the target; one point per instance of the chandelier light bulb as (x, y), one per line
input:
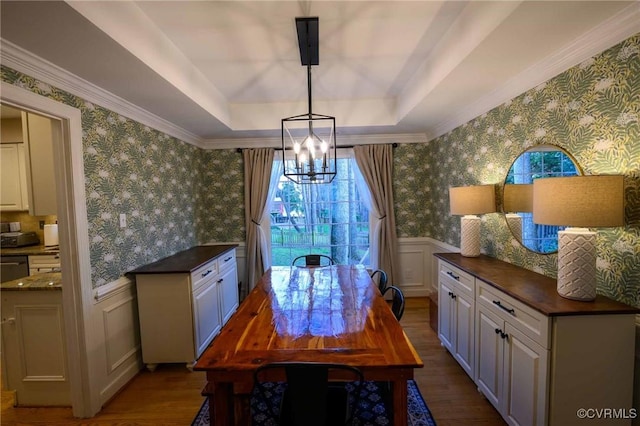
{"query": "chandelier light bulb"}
(310, 146)
(296, 147)
(324, 147)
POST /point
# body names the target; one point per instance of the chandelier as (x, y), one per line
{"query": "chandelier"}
(311, 137)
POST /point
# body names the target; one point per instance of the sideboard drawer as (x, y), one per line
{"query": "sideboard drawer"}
(227, 261)
(203, 274)
(532, 323)
(463, 281)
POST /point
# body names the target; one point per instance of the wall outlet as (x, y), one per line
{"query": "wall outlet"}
(42, 224)
(123, 220)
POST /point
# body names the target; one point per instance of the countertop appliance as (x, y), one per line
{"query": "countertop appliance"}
(51, 235)
(13, 267)
(18, 239)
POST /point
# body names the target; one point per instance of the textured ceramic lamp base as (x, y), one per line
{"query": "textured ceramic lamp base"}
(470, 236)
(577, 264)
(514, 222)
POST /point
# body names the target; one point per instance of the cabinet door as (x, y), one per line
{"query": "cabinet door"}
(40, 135)
(525, 379)
(228, 283)
(12, 177)
(207, 316)
(489, 354)
(446, 319)
(464, 333)
(33, 348)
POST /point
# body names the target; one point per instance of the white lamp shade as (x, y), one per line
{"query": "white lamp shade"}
(467, 201)
(581, 201)
(518, 198)
(478, 199)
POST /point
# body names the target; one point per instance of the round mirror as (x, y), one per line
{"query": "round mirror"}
(517, 196)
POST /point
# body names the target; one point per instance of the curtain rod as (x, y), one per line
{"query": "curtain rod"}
(239, 150)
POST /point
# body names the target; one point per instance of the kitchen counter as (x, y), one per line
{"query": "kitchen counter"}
(40, 282)
(29, 250)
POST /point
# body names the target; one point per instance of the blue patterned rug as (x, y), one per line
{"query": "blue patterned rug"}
(372, 410)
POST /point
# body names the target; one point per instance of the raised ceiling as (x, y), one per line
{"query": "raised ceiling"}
(224, 71)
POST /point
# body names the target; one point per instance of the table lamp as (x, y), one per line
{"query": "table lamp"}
(517, 198)
(469, 201)
(579, 202)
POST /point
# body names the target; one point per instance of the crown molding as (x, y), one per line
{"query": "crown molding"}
(602, 37)
(273, 142)
(34, 66)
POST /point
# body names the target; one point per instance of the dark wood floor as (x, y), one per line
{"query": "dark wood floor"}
(171, 395)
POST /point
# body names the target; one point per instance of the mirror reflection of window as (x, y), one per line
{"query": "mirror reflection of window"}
(537, 162)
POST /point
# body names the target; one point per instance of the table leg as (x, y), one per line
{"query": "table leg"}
(400, 403)
(221, 404)
(242, 407)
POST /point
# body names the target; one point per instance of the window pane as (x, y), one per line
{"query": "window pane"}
(328, 219)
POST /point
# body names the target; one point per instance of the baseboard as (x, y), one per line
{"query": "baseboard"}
(116, 386)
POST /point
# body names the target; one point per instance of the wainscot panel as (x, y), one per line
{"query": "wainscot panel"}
(115, 316)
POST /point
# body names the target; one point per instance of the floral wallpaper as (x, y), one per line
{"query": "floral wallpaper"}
(176, 195)
(132, 169)
(220, 216)
(592, 110)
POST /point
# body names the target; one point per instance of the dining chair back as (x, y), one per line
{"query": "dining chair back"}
(310, 398)
(397, 301)
(381, 276)
(314, 260)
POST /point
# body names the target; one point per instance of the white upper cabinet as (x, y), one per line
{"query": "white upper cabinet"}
(28, 178)
(13, 178)
(40, 134)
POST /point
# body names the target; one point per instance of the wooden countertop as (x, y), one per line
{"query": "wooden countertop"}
(39, 282)
(534, 290)
(185, 261)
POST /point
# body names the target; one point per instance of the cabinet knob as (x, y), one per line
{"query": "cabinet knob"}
(220, 280)
(206, 273)
(454, 276)
(10, 320)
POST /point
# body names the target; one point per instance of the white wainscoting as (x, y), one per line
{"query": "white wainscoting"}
(418, 266)
(115, 316)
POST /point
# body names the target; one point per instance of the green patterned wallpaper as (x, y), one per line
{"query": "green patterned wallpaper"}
(592, 110)
(220, 217)
(177, 195)
(130, 168)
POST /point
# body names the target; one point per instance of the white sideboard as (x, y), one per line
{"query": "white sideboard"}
(537, 357)
(183, 302)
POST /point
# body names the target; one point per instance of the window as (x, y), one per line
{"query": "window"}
(331, 219)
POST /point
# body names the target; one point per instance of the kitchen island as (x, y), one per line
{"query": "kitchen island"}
(47, 281)
(33, 341)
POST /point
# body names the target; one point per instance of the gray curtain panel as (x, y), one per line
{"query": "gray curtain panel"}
(376, 165)
(257, 177)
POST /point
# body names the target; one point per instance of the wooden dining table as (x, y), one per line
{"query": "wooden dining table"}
(331, 314)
